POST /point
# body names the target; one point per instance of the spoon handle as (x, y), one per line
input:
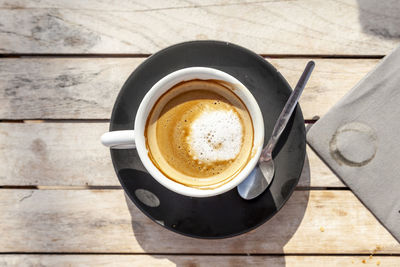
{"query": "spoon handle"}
(287, 111)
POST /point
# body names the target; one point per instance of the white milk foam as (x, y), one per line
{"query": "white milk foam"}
(216, 136)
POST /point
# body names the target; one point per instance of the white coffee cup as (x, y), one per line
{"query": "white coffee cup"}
(130, 139)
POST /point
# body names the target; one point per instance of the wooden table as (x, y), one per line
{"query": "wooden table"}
(61, 67)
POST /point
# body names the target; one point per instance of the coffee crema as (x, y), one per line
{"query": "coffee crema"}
(199, 134)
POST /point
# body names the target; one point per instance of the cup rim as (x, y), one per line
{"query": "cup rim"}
(163, 85)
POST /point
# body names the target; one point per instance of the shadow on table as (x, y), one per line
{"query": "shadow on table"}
(380, 18)
(269, 238)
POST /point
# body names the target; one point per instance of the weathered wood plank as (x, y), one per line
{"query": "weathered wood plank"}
(62, 88)
(65, 154)
(320, 174)
(172, 260)
(54, 154)
(329, 82)
(347, 27)
(104, 221)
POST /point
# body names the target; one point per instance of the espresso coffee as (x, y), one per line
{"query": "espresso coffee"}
(200, 134)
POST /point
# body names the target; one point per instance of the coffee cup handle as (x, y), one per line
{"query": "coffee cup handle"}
(119, 139)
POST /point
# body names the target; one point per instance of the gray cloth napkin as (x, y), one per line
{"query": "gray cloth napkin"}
(359, 139)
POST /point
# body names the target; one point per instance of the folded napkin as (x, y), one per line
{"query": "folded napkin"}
(359, 139)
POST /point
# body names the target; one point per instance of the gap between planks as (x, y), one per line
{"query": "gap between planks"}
(57, 121)
(87, 121)
(116, 187)
(192, 260)
(207, 254)
(69, 187)
(279, 56)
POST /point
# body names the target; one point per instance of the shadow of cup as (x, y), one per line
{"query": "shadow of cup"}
(269, 238)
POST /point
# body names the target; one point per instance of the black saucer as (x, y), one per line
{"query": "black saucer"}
(225, 215)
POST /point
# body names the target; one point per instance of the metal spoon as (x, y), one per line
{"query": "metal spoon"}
(257, 182)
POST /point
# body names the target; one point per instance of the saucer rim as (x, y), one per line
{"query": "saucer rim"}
(298, 112)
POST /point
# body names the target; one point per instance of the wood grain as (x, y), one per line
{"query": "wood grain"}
(78, 88)
(65, 155)
(347, 27)
(104, 5)
(70, 154)
(170, 260)
(104, 221)
(54, 154)
(61, 88)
